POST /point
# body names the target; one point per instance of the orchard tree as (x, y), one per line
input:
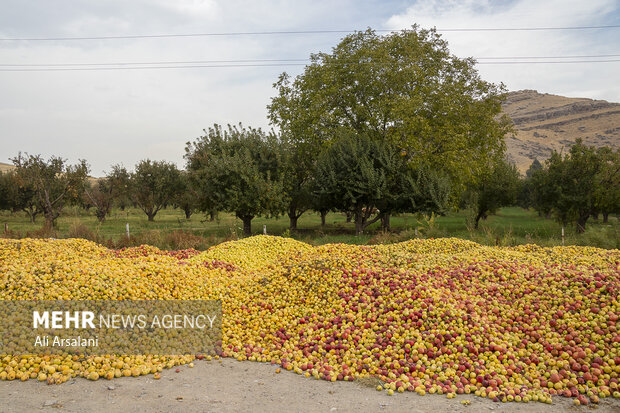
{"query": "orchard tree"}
(102, 193)
(525, 198)
(298, 164)
(153, 186)
(53, 183)
(368, 177)
(21, 196)
(187, 197)
(542, 196)
(405, 88)
(5, 202)
(496, 188)
(238, 170)
(607, 183)
(568, 184)
(535, 166)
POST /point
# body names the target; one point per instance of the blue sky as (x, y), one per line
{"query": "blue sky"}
(122, 116)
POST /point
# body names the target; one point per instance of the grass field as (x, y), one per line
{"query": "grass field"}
(510, 226)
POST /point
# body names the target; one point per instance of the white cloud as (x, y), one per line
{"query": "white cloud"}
(202, 8)
(594, 80)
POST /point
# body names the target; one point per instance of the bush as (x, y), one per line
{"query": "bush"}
(9, 234)
(607, 236)
(182, 240)
(44, 232)
(79, 230)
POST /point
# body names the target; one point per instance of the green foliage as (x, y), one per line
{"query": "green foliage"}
(187, 197)
(105, 191)
(238, 170)
(355, 174)
(607, 182)
(573, 183)
(497, 187)
(20, 196)
(405, 88)
(535, 166)
(153, 185)
(5, 201)
(526, 195)
(297, 180)
(368, 176)
(46, 186)
(578, 184)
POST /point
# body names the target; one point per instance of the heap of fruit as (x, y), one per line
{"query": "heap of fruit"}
(442, 316)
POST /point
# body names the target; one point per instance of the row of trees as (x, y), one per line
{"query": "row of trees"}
(40, 187)
(574, 186)
(247, 172)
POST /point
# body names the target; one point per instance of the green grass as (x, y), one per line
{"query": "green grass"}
(510, 226)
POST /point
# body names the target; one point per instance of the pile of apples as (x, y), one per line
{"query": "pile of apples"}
(441, 316)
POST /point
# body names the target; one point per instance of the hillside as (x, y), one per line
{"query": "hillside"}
(544, 122)
(5, 167)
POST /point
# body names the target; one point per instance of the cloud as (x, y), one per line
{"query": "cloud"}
(595, 80)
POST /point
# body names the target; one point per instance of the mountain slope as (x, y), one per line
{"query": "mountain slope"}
(4, 167)
(545, 122)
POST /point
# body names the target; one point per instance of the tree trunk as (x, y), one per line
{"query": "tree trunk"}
(151, 215)
(605, 217)
(349, 216)
(595, 216)
(385, 222)
(50, 220)
(188, 212)
(581, 223)
(212, 216)
(323, 218)
(292, 220)
(359, 221)
(100, 214)
(480, 215)
(293, 216)
(247, 224)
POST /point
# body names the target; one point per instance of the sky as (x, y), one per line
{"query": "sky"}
(123, 116)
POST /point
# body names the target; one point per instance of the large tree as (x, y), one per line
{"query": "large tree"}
(153, 186)
(52, 183)
(238, 170)
(405, 88)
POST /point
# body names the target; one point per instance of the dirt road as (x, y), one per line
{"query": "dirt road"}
(231, 386)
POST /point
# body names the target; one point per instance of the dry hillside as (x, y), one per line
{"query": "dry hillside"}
(545, 122)
(5, 167)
